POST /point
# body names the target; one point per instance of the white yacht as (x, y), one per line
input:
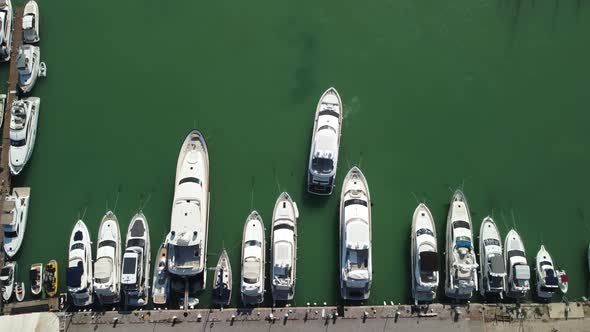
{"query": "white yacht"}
(222, 285)
(187, 240)
(519, 272)
(563, 280)
(491, 256)
(31, 23)
(19, 291)
(23, 129)
(356, 270)
(36, 278)
(107, 267)
(14, 219)
(253, 260)
(161, 281)
(79, 271)
(461, 278)
(29, 67)
(284, 248)
(325, 143)
(424, 253)
(136, 262)
(547, 282)
(6, 17)
(7, 280)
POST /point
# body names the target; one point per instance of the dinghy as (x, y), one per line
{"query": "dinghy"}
(14, 219)
(7, 280)
(107, 267)
(284, 248)
(491, 255)
(79, 271)
(461, 277)
(222, 284)
(325, 144)
(50, 278)
(253, 260)
(19, 291)
(6, 19)
(31, 23)
(136, 262)
(356, 269)
(23, 130)
(424, 253)
(547, 283)
(161, 286)
(519, 272)
(36, 278)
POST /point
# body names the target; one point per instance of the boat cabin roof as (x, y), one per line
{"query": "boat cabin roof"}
(283, 252)
(522, 272)
(428, 261)
(103, 268)
(357, 234)
(251, 269)
(497, 264)
(28, 21)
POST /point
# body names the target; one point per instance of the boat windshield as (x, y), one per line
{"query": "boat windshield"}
(18, 142)
(491, 242)
(78, 245)
(253, 243)
(107, 243)
(424, 231)
(322, 165)
(5, 272)
(10, 234)
(129, 264)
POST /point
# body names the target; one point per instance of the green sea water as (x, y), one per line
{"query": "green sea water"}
(491, 96)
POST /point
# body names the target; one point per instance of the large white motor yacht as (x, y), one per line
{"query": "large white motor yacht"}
(325, 144)
(493, 266)
(23, 130)
(424, 256)
(519, 272)
(79, 272)
(187, 240)
(31, 23)
(14, 219)
(6, 17)
(284, 248)
(29, 67)
(547, 281)
(356, 270)
(461, 279)
(253, 260)
(136, 262)
(107, 268)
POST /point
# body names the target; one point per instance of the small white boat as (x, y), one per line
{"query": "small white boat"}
(36, 277)
(356, 269)
(29, 67)
(7, 280)
(19, 291)
(189, 224)
(2, 107)
(284, 248)
(325, 144)
(79, 271)
(253, 260)
(14, 219)
(23, 130)
(31, 23)
(222, 284)
(563, 281)
(519, 272)
(491, 257)
(461, 277)
(547, 283)
(161, 280)
(424, 253)
(6, 17)
(107, 267)
(136, 262)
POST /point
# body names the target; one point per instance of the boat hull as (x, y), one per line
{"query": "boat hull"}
(422, 219)
(284, 243)
(254, 256)
(222, 285)
(20, 198)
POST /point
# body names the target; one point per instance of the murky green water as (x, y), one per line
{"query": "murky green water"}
(489, 95)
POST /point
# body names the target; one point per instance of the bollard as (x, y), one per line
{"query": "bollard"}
(199, 317)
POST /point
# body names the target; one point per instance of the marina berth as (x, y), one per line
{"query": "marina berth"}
(7, 274)
(107, 267)
(424, 256)
(6, 18)
(14, 219)
(136, 262)
(284, 248)
(222, 284)
(547, 281)
(161, 280)
(491, 254)
(79, 270)
(519, 272)
(23, 130)
(253, 260)
(356, 270)
(325, 144)
(31, 23)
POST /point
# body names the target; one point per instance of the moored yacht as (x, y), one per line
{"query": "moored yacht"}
(222, 284)
(36, 278)
(563, 280)
(107, 267)
(424, 253)
(547, 282)
(31, 22)
(356, 270)
(29, 66)
(136, 262)
(187, 240)
(491, 257)
(161, 280)
(461, 279)
(253, 260)
(7, 280)
(5, 29)
(79, 271)
(50, 278)
(519, 272)
(325, 144)
(23, 130)
(14, 219)
(284, 248)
